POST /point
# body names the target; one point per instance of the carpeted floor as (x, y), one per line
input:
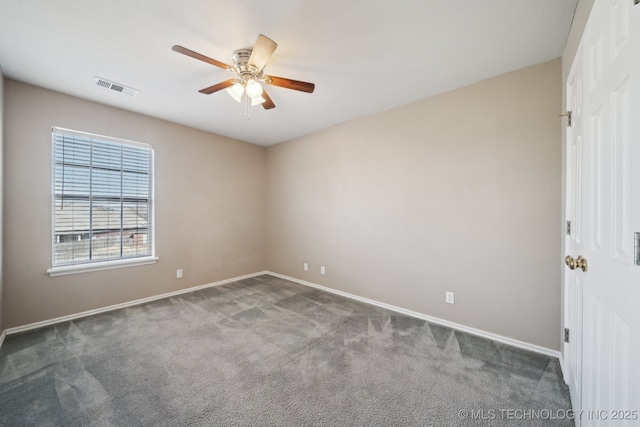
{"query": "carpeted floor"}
(265, 351)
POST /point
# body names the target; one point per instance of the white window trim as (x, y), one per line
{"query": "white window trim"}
(100, 265)
(64, 270)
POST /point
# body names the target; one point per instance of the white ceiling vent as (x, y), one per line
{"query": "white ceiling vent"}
(115, 86)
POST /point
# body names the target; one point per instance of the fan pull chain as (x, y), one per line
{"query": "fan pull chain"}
(247, 102)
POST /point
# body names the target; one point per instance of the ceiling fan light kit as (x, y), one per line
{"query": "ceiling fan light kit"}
(248, 80)
(248, 66)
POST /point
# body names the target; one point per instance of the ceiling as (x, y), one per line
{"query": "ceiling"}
(365, 56)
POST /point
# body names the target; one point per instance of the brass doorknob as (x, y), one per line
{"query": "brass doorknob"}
(571, 263)
(581, 263)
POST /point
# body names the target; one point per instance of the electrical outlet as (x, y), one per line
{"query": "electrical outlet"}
(322, 270)
(449, 298)
(179, 274)
(305, 266)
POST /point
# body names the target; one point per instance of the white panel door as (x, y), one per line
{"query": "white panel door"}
(572, 350)
(610, 214)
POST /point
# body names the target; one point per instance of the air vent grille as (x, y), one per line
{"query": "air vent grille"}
(103, 83)
(115, 86)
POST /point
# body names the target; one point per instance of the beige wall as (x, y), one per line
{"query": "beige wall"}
(459, 192)
(209, 207)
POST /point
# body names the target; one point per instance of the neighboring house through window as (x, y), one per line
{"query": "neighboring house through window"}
(102, 202)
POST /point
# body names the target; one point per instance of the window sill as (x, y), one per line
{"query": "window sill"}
(97, 266)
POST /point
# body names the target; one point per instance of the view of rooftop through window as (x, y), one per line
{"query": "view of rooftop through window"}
(102, 198)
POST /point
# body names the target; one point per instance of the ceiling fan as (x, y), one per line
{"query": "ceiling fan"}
(248, 66)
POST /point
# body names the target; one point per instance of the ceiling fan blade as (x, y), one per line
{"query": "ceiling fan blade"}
(290, 84)
(196, 55)
(262, 51)
(268, 103)
(222, 85)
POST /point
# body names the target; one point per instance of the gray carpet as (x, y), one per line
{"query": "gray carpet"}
(265, 351)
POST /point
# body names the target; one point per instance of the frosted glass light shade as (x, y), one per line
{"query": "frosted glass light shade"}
(236, 91)
(257, 100)
(254, 89)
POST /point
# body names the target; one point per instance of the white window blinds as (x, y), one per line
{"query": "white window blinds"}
(102, 198)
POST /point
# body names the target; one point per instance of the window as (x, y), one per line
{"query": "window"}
(102, 202)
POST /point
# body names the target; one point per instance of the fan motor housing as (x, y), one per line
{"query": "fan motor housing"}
(241, 59)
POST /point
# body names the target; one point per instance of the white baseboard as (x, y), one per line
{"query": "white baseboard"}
(431, 319)
(50, 322)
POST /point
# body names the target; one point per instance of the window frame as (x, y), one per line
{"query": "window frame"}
(121, 262)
